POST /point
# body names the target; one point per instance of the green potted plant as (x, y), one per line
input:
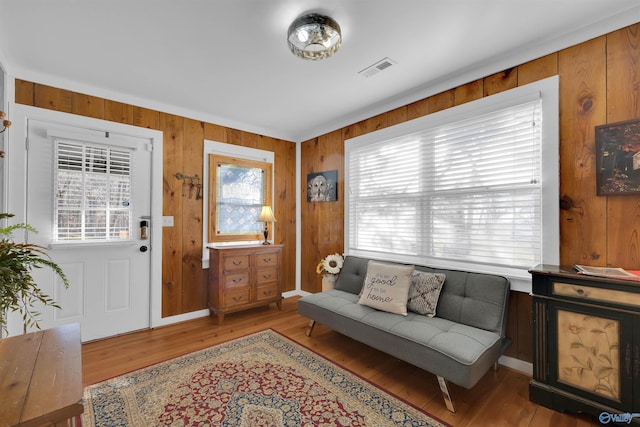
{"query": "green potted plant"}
(18, 290)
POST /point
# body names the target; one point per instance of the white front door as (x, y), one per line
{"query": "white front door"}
(88, 193)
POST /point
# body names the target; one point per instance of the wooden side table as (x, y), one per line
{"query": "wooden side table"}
(41, 378)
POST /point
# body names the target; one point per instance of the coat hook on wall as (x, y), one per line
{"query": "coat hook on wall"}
(193, 182)
(5, 125)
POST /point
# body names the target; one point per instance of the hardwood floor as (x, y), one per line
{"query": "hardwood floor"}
(501, 398)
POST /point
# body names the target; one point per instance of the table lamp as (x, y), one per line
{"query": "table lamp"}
(266, 216)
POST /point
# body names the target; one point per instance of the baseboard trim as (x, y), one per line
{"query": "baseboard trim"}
(517, 364)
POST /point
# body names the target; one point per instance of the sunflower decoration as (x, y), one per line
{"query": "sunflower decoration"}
(331, 264)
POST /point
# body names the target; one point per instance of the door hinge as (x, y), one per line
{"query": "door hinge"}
(26, 143)
(149, 147)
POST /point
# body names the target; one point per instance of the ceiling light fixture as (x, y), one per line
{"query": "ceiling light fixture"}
(314, 36)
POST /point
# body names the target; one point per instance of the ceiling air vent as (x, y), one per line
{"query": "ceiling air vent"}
(374, 69)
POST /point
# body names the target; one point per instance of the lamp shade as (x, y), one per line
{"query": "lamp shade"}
(314, 36)
(266, 215)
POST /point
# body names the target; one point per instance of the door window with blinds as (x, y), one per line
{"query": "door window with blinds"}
(461, 187)
(92, 192)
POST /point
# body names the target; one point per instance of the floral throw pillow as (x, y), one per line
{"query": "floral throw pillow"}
(425, 292)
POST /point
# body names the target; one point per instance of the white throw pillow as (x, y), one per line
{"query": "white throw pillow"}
(425, 292)
(386, 287)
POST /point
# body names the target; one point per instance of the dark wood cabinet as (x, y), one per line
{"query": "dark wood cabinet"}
(243, 277)
(586, 343)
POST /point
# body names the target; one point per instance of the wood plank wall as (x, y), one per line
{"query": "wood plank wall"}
(183, 278)
(599, 83)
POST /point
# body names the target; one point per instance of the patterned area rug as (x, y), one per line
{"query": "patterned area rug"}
(263, 379)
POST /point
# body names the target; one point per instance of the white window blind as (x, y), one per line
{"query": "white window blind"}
(93, 192)
(466, 190)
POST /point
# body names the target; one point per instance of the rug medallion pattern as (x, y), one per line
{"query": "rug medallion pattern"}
(263, 379)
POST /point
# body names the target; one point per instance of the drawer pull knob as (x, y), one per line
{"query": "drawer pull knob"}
(580, 291)
(237, 262)
(237, 298)
(267, 292)
(237, 280)
(266, 259)
(266, 276)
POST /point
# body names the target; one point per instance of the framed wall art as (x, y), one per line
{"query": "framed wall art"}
(618, 158)
(322, 186)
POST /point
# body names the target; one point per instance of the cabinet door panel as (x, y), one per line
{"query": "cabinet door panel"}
(593, 352)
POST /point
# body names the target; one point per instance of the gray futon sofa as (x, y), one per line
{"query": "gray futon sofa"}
(464, 339)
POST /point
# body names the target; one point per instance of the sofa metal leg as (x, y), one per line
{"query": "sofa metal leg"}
(446, 394)
(310, 327)
(495, 366)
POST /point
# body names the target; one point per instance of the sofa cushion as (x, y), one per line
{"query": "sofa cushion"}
(351, 277)
(386, 287)
(424, 292)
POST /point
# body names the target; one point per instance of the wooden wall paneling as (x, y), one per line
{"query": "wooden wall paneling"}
(87, 105)
(538, 69)
(53, 98)
(233, 136)
(469, 92)
(519, 326)
(266, 143)
(499, 82)
(252, 140)
(289, 265)
(418, 109)
(323, 221)
(24, 92)
(172, 202)
(442, 101)
(623, 74)
(375, 123)
(285, 209)
(512, 325)
(365, 126)
(524, 341)
(623, 103)
(214, 132)
(582, 70)
(146, 118)
(399, 115)
(118, 112)
(194, 293)
(309, 253)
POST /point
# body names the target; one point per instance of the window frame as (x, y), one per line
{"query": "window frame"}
(548, 91)
(214, 160)
(85, 145)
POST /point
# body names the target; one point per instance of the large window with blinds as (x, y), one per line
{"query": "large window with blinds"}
(93, 192)
(470, 186)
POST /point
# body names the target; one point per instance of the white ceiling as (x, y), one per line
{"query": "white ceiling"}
(227, 61)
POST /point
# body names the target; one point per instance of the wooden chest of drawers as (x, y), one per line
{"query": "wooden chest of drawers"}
(243, 277)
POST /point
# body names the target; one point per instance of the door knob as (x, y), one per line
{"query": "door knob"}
(143, 249)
